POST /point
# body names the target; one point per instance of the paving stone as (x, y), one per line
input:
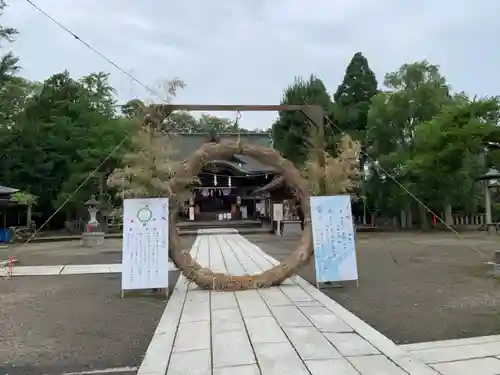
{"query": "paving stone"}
(331, 367)
(223, 300)
(192, 336)
(296, 294)
(311, 344)
(307, 303)
(227, 320)
(376, 365)
(197, 296)
(275, 297)
(81, 269)
(290, 316)
(324, 319)
(192, 363)
(264, 329)
(232, 349)
(351, 344)
(251, 304)
(477, 366)
(36, 270)
(455, 353)
(195, 312)
(446, 343)
(238, 370)
(279, 359)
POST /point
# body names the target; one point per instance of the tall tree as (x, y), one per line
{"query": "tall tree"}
(146, 169)
(353, 97)
(291, 131)
(65, 131)
(448, 153)
(415, 130)
(352, 101)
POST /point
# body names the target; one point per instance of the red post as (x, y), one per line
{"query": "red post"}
(434, 220)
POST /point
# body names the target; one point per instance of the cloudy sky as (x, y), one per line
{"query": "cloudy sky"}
(246, 51)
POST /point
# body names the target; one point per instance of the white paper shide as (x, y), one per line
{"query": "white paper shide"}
(145, 243)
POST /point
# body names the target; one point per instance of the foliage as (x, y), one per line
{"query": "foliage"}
(185, 122)
(353, 97)
(147, 168)
(60, 139)
(65, 131)
(339, 174)
(429, 141)
(291, 130)
(24, 198)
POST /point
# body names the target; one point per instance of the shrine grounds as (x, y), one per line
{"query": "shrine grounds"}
(413, 287)
(417, 287)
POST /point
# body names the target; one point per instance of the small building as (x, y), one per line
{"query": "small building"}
(226, 187)
(5, 202)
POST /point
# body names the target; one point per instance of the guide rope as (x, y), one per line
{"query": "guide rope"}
(413, 196)
(133, 78)
(114, 64)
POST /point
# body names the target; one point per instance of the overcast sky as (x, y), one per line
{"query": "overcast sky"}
(247, 51)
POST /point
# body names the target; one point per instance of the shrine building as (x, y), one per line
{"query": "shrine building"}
(227, 189)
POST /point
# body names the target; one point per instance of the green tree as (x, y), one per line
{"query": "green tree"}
(291, 131)
(447, 157)
(416, 93)
(353, 97)
(65, 131)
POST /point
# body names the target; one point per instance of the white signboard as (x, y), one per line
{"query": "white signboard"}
(259, 208)
(333, 237)
(145, 243)
(278, 211)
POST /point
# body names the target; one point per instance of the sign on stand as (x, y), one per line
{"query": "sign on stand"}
(278, 216)
(145, 244)
(333, 238)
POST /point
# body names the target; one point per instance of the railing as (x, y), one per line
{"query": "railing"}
(466, 220)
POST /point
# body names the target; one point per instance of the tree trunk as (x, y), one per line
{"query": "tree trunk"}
(28, 216)
(403, 219)
(448, 215)
(409, 218)
(424, 220)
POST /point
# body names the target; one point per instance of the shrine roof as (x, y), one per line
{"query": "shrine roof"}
(4, 190)
(187, 143)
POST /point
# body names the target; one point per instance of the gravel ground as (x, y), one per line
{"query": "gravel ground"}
(416, 287)
(50, 325)
(68, 252)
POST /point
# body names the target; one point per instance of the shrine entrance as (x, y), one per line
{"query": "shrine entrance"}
(224, 193)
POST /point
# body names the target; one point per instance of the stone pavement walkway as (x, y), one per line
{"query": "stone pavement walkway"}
(293, 329)
(70, 269)
(472, 356)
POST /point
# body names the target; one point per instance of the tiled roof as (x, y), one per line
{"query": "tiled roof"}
(276, 183)
(187, 143)
(7, 190)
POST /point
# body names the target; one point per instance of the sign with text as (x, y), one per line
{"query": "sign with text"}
(145, 243)
(333, 238)
(278, 211)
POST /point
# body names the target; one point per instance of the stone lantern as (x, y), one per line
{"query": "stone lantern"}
(93, 235)
(93, 208)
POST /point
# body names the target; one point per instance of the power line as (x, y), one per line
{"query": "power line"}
(413, 196)
(130, 76)
(100, 54)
